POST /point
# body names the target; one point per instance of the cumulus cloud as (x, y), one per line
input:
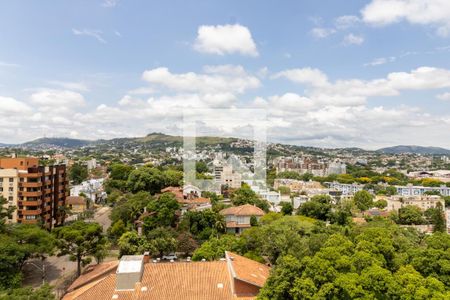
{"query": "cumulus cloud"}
(347, 21)
(215, 79)
(380, 61)
(322, 32)
(353, 39)
(225, 39)
(351, 92)
(76, 86)
(315, 77)
(435, 13)
(444, 97)
(57, 98)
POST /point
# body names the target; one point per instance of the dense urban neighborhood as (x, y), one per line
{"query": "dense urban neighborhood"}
(80, 222)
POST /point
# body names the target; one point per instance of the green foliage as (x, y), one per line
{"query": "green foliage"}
(162, 241)
(201, 167)
(202, 224)
(186, 244)
(80, 240)
(18, 243)
(119, 171)
(27, 293)
(381, 204)
(162, 212)
(5, 212)
(319, 207)
(437, 218)
(410, 215)
(286, 208)
(245, 195)
(78, 173)
(130, 243)
(130, 207)
(363, 200)
(146, 179)
(375, 261)
(215, 248)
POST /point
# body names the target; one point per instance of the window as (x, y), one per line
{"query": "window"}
(1, 179)
(1, 189)
(30, 217)
(10, 198)
(11, 189)
(11, 179)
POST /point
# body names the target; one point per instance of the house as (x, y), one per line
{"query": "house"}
(238, 218)
(135, 277)
(394, 203)
(188, 197)
(76, 204)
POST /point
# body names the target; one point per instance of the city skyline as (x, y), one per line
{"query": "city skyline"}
(330, 75)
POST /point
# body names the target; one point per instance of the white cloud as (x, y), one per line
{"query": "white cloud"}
(347, 21)
(352, 39)
(57, 99)
(110, 3)
(315, 77)
(444, 97)
(95, 33)
(380, 61)
(354, 92)
(10, 105)
(76, 86)
(216, 79)
(225, 39)
(142, 91)
(430, 12)
(321, 32)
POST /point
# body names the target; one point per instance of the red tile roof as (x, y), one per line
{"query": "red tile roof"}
(181, 281)
(243, 210)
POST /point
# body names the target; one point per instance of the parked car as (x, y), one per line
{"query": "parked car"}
(171, 256)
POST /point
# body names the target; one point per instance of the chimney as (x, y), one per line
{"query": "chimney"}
(129, 272)
(146, 257)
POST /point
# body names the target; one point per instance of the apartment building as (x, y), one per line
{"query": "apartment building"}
(414, 190)
(394, 203)
(37, 192)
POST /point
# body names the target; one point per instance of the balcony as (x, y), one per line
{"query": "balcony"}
(48, 199)
(47, 191)
(48, 208)
(30, 194)
(30, 203)
(30, 184)
(30, 212)
(25, 221)
(31, 175)
(47, 182)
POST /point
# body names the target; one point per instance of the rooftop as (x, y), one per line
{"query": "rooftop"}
(243, 210)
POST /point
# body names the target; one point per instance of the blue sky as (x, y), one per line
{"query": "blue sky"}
(365, 73)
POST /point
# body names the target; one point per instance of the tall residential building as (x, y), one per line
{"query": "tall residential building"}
(37, 192)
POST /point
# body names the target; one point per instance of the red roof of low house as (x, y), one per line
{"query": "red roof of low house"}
(243, 210)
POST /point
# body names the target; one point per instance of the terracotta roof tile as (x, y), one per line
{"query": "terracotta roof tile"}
(93, 273)
(248, 270)
(243, 210)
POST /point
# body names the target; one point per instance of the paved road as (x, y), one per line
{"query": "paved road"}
(59, 269)
(102, 217)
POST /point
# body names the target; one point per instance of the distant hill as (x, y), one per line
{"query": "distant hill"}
(414, 150)
(55, 142)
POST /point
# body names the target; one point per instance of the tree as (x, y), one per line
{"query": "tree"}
(28, 293)
(201, 167)
(79, 240)
(215, 247)
(381, 204)
(363, 200)
(146, 179)
(245, 195)
(286, 208)
(319, 207)
(5, 212)
(162, 212)
(173, 178)
(78, 173)
(162, 241)
(130, 243)
(186, 244)
(437, 217)
(410, 215)
(119, 171)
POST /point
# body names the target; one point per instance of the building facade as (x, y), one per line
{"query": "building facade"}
(38, 192)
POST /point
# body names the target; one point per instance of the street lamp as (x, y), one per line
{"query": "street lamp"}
(39, 268)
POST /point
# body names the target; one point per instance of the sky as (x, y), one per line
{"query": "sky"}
(330, 73)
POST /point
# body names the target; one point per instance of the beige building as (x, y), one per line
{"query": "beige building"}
(238, 218)
(9, 181)
(394, 203)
